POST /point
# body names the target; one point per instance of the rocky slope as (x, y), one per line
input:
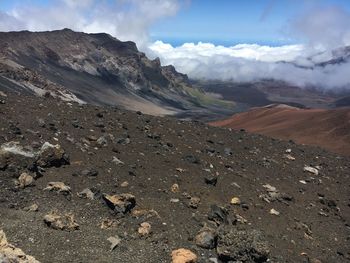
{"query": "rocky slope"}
(81, 183)
(97, 69)
(325, 128)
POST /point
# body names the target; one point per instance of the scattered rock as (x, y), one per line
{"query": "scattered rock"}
(274, 212)
(61, 222)
(235, 201)
(211, 179)
(175, 188)
(206, 238)
(124, 184)
(87, 193)
(11, 254)
(241, 245)
(116, 161)
(311, 170)
(102, 141)
(25, 180)
(183, 256)
(192, 159)
(31, 208)
(51, 155)
(115, 241)
(194, 202)
(120, 204)
(108, 223)
(228, 151)
(218, 214)
(59, 187)
(90, 172)
(144, 229)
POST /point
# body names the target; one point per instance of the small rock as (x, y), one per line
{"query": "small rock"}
(192, 159)
(235, 201)
(274, 212)
(108, 223)
(116, 161)
(175, 188)
(31, 208)
(311, 170)
(211, 179)
(87, 193)
(25, 180)
(102, 141)
(144, 229)
(115, 241)
(122, 203)
(89, 172)
(59, 187)
(218, 214)
(194, 202)
(183, 256)
(228, 151)
(124, 184)
(61, 222)
(206, 238)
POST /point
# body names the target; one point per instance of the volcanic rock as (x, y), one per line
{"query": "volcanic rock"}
(120, 204)
(12, 254)
(183, 256)
(241, 245)
(61, 221)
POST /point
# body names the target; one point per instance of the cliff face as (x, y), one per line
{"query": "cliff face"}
(94, 68)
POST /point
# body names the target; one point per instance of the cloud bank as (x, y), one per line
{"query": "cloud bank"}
(243, 63)
(321, 30)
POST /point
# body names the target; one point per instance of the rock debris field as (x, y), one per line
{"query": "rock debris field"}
(80, 183)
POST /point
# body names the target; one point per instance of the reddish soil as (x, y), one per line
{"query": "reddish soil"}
(329, 129)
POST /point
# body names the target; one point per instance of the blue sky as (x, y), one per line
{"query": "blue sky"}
(223, 22)
(238, 21)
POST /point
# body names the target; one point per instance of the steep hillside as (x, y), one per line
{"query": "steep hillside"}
(325, 128)
(81, 183)
(97, 69)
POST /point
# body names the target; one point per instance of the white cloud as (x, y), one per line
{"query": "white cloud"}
(323, 26)
(253, 62)
(124, 19)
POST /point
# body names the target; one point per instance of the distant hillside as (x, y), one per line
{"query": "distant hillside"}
(97, 69)
(326, 128)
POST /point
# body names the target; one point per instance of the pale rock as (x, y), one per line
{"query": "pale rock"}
(144, 229)
(183, 256)
(115, 241)
(25, 180)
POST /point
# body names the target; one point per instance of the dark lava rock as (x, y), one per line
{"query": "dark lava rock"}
(211, 179)
(191, 159)
(218, 214)
(52, 155)
(89, 172)
(228, 151)
(206, 238)
(120, 204)
(241, 245)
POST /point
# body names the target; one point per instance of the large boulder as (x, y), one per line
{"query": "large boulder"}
(241, 245)
(51, 155)
(12, 254)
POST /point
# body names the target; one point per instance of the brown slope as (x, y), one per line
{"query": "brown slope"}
(329, 129)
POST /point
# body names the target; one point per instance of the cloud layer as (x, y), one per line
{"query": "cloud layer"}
(124, 19)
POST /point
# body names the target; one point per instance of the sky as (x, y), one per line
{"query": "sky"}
(238, 40)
